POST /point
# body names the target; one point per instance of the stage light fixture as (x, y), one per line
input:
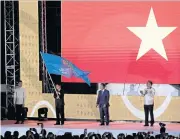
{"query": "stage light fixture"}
(42, 113)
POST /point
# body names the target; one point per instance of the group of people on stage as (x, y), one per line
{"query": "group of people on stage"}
(102, 103)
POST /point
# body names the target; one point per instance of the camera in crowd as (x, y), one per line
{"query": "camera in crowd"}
(162, 128)
(41, 124)
(162, 124)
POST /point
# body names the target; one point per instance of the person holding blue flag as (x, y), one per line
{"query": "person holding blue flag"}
(59, 103)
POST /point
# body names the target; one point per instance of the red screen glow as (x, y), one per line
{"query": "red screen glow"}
(119, 42)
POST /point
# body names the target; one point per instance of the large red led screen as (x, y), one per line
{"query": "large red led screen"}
(123, 42)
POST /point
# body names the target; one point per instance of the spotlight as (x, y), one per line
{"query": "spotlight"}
(42, 113)
(162, 128)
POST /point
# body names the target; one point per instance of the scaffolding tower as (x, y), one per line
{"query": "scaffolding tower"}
(11, 47)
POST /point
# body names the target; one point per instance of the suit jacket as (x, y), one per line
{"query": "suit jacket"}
(59, 102)
(103, 98)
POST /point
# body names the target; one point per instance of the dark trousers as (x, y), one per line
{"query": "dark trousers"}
(149, 109)
(60, 112)
(104, 112)
(19, 113)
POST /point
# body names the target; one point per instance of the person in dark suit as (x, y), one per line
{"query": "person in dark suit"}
(59, 103)
(103, 104)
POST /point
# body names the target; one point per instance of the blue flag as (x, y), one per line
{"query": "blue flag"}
(60, 66)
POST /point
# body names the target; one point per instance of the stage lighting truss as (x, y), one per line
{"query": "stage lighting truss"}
(11, 47)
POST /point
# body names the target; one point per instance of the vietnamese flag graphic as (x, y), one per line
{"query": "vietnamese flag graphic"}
(123, 42)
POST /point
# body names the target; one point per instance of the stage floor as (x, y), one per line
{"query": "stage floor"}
(77, 127)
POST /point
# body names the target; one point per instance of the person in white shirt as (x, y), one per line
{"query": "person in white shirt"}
(19, 101)
(148, 94)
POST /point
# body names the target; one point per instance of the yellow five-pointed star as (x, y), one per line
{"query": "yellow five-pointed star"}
(151, 36)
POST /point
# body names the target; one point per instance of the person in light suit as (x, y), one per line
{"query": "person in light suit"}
(19, 101)
(103, 104)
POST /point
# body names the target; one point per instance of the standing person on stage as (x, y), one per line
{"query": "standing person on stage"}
(19, 101)
(103, 104)
(59, 103)
(148, 94)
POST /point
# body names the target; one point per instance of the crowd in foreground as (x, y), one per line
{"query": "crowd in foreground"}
(32, 134)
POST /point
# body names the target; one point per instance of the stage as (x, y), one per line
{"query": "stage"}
(77, 127)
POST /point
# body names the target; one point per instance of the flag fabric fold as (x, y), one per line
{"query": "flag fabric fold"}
(60, 66)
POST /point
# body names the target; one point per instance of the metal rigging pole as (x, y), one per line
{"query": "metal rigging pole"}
(47, 82)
